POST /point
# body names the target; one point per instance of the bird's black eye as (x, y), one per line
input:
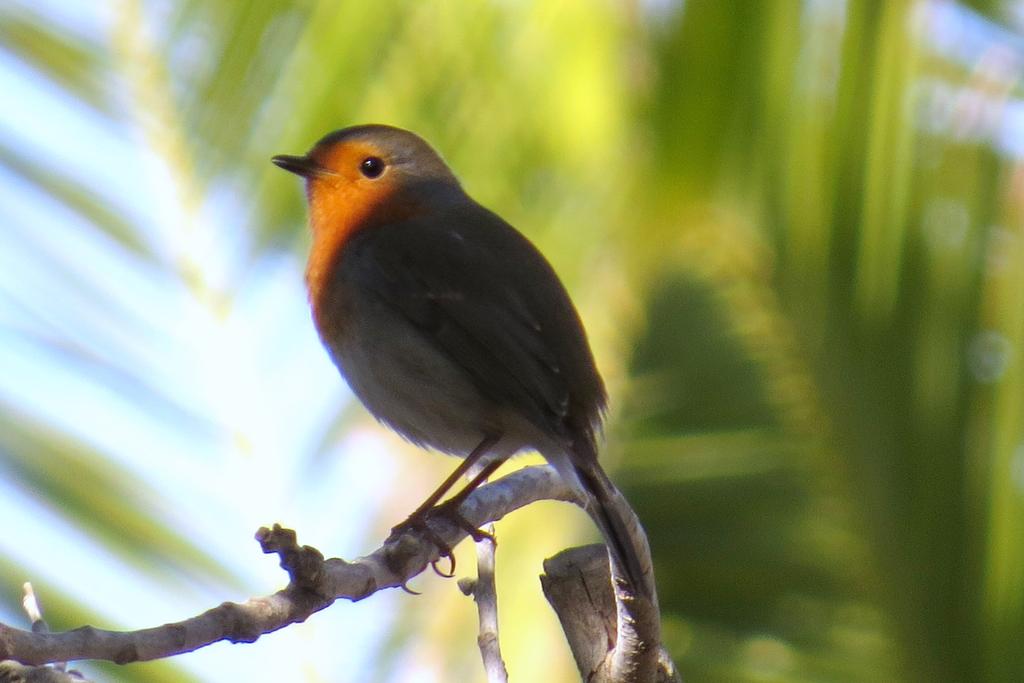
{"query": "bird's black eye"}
(372, 167)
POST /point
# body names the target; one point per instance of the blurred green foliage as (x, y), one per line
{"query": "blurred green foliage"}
(793, 228)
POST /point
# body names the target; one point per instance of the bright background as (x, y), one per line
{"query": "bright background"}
(794, 230)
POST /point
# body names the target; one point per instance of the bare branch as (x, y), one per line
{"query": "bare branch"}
(315, 584)
(485, 594)
(614, 636)
(14, 672)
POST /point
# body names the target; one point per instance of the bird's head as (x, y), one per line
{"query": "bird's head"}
(370, 172)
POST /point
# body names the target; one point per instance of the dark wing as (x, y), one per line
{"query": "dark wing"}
(468, 280)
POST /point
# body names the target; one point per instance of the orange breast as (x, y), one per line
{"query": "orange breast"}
(335, 214)
(337, 211)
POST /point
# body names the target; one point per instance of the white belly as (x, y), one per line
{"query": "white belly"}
(417, 391)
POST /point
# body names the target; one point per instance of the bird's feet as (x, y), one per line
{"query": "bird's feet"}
(448, 511)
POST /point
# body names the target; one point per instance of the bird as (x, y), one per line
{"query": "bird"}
(451, 327)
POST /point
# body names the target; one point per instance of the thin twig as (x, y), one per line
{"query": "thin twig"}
(31, 606)
(485, 594)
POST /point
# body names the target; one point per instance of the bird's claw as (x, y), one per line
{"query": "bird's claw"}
(479, 534)
(457, 518)
(419, 523)
(450, 511)
(451, 565)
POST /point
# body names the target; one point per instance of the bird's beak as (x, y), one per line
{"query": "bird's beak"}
(303, 166)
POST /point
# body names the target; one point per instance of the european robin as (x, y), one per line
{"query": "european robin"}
(449, 325)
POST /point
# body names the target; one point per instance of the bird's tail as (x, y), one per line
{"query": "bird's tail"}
(619, 525)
